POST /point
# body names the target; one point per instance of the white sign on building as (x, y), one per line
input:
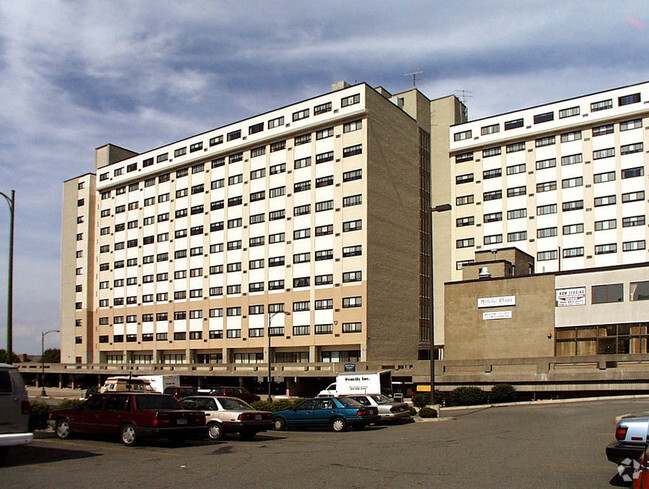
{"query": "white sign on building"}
(575, 296)
(487, 316)
(506, 300)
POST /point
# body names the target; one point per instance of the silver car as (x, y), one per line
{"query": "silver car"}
(389, 411)
(14, 409)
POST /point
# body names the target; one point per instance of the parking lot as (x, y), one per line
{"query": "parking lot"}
(541, 445)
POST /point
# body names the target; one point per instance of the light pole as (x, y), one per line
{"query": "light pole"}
(11, 201)
(270, 318)
(43, 334)
(431, 336)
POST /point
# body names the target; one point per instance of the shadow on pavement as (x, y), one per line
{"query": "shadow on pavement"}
(34, 454)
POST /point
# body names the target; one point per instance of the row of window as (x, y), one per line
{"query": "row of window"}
(513, 214)
(551, 186)
(237, 134)
(549, 116)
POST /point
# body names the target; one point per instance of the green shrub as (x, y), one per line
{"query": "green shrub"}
(278, 405)
(502, 393)
(262, 405)
(427, 412)
(421, 399)
(413, 411)
(282, 405)
(38, 415)
(69, 403)
(468, 396)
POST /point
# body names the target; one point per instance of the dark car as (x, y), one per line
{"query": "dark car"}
(180, 392)
(231, 391)
(336, 412)
(129, 415)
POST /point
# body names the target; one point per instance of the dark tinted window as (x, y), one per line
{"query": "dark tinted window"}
(156, 402)
(5, 382)
(608, 293)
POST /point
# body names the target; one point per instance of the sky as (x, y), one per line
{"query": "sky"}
(77, 75)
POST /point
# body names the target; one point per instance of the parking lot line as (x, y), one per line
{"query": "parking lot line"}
(96, 447)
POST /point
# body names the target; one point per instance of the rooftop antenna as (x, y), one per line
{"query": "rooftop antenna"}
(464, 94)
(414, 77)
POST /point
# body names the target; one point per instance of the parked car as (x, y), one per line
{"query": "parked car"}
(131, 415)
(229, 415)
(126, 384)
(231, 391)
(180, 392)
(629, 450)
(14, 410)
(336, 412)
(389, 411)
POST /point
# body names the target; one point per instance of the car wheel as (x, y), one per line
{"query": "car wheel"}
(128, 435)
(279, 424)
(215, 431)
(62, 429)
(248, 435)
(338, 424)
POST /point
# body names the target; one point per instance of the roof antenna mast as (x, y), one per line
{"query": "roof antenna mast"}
(414, 77)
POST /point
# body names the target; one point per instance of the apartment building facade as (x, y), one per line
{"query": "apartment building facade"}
(298, 235)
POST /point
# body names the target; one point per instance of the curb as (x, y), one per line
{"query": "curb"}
(417, 419)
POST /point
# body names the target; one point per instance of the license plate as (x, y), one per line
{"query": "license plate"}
(258, 417)
(181, 421)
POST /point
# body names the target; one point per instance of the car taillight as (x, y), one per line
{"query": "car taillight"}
(246, 416)
(620, 432)
(25, 407)
(395, 408)
(364, 412)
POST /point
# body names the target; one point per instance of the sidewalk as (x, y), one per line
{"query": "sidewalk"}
(54, 393)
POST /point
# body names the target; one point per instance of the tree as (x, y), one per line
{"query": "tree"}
(52, 355)
(4, 357)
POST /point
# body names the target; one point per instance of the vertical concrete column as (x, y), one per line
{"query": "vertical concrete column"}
(313, 353)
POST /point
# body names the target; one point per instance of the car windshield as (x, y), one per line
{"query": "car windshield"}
(234, 404)
(381, 399)
(157, 402)
(349, 403)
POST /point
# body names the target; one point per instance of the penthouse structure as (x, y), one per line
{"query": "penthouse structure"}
(301, 235)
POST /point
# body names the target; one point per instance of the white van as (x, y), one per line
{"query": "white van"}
(14, 409)
(121, 384)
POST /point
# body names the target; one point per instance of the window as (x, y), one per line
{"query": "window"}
(493, 217)
(234, 201)
(255, 128)
(487, 174)
(234, 267)
(301, 282)
(633, 221)
(515, 147)
(352, 126)
(301, 257)
(180, 152)
(634, 98)
(355, 276)
(324, 133)
(516, 213)
(324, 230)
(218, 162)
(234, 158)
(464, 157)
(302, 186)
(275, 285)
(322, 108)
(516, 191)
(352, 225)
(571, 159)
(324, 279)
(351, 100)
(605, 225)
(546, 232)
(495, 151)
(639, 291)
(603, 130)
(546, 186)
(302, 139)
(461, 136)
(545, 141)
(493, 239)
(300, 114)
(301, 306)
(606, 200)
(573, 252)
(633, 196)
(491, 129)
(254, 175)
(573, 229)
(493, 195)
(352, 327)
(276, 192)
(302, 163)
(302, 210)
(277, 146)
(352, 302)
(570, 136)
(632, 124)
(352, 200)
(231, 136)
(631, 148)
(324, 157)
(601, 105)
(352, 175)
(301, 233)
(233, 289)
(545, 117)
(278, 121)
(517, 236)
(466, 178)
(574, 205)
(257, 218)
(326, 205)
(464, 221)
(260, 151)
(634, 245)
(216, 140)
(569, 112)
(602, 294)
(275, 215)
(543, 164)
(633, 172)
(546, 255)
(352, 150)
(606, 249)
(572, 182)
(464, 200)
(604, 177)
(465, 243)
(516, 123)
(515, 169)
(324, 255)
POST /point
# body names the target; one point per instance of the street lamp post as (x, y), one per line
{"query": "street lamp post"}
(270, 317)
(11, 201)
(43, 334)
(431, 336)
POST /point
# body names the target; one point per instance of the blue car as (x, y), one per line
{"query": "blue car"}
(336, 412)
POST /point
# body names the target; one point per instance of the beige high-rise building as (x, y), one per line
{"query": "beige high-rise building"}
(309, 223)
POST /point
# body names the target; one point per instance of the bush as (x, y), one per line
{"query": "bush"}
(502, 393)
(262, 405)
(38, 415)
(413, 411)
(427, 412)
(279, 405)
(69, 403)
(468, 396)
(421, 399)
